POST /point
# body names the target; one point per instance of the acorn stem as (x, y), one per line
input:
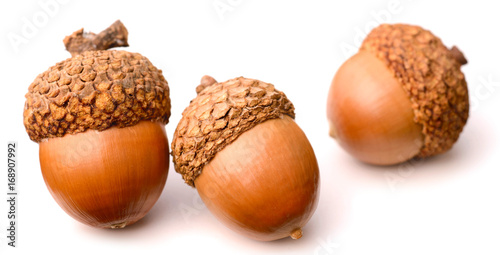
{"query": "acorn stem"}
(115, 35)
(458, 55)
(296, 234)
(118, 225)
(206, 81)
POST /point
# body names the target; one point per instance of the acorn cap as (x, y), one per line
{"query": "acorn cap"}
(431, 77)
(96, 89)
(218, 116)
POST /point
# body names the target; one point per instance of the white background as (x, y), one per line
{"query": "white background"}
(448, 204)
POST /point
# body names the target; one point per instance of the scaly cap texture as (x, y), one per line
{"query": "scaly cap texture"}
(430, 74)
(95, 90)
(218, 115)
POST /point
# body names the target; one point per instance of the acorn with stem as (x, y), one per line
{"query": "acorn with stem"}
(402, 96)
(251, 164)
(99, 119)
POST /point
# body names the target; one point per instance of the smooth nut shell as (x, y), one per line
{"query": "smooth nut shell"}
(265, 184)
(107, 179)
(370, 114)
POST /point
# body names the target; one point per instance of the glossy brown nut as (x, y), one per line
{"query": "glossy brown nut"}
(254, 168)
(99, 119)
(401, 96)
(108, 179)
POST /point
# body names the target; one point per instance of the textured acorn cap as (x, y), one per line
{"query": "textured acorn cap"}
(95, 90)
(431, 77)
(218, 116)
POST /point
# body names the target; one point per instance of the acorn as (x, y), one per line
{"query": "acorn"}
(254, 168)
(99, 119)
(402, 96)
